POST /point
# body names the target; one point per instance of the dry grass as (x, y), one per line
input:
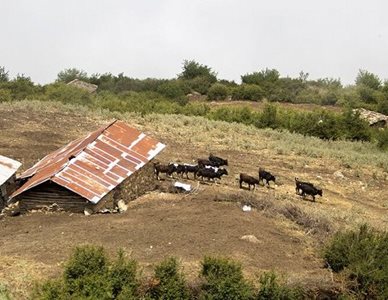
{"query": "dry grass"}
(220, 135)
(19, 276)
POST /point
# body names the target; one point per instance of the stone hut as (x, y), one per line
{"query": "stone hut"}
(93, 172)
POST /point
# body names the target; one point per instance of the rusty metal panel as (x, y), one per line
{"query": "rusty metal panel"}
(94, 165)
(8, 167)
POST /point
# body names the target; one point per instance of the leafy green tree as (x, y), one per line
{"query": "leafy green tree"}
(217, 91)
(193, 69)
(267, 75)
(4, 77)
(368, 79)
(172, 89)
(70, 74)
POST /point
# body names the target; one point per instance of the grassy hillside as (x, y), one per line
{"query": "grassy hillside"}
(290, 230)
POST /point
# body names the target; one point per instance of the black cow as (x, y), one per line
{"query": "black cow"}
(308, 189)
(299, 183)
(266, 175)
(159, 168)
(191, 169)
(218, 160)
(211, 173)
(248, 179)
(205, 162)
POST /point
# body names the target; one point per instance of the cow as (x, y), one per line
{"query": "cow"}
(191, 169)
(211, 173)
(205, 162)
(218, 160)
(167, 169)
(266, 175)
(298, 184)
(248, 179)
(308, 189)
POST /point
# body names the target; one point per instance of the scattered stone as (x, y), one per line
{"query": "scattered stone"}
(12, 210)
(319, 177)
(122, 206)
(88, 212)
(339, 174)
(250, 238)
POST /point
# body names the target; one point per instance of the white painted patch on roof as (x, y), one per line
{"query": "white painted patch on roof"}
(8, 167)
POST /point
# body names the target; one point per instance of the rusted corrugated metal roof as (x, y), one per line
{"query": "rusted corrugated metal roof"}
(94, 165)
(8, 167)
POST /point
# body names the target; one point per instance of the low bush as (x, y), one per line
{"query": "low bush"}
(251, 92)
(272, 288)
(68, 94)
(382, 139)
(362, 256)
(217, 91)
(123, 277)
(224, 280)
(171, 283)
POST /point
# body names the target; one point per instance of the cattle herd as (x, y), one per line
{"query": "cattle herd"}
(212, 169)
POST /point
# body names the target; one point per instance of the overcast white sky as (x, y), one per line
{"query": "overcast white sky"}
(151, 38)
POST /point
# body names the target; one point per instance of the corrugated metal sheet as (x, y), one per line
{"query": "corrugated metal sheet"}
(96, 164)
(8, 167)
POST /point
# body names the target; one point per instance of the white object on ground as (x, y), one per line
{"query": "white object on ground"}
(246, 208)
(186, 187)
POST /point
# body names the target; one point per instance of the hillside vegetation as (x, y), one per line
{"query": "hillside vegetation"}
(168, 96)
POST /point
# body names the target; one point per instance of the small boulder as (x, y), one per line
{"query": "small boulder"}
(339, 174)
(250, 238)
(122, 206)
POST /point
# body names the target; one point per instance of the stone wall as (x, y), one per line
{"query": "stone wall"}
(139, 183)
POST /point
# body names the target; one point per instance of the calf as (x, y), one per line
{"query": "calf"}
(218, 160)
(211, 174)
(266, 175)
(308, 189)
(167, 169)
(248, 179)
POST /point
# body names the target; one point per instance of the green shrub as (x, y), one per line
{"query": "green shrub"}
(199, 84)
(5, 95)
(68, 94)
(382, 138)
(172, 89)
(217, 91)
(196, 109)
(362, 256)
(224, 280)
(4, 294)
(87, 263)
(268, 117)
(171, 282)
(50, 290)
(248, 92)
(123, 276)
(272, 289)
(354, 128)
